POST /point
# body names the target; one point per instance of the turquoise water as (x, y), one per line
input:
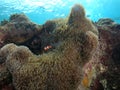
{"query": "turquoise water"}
(41, 10)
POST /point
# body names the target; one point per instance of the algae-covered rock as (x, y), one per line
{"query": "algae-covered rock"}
(109, 66)
(77, 15)
(2, 23)
(51, 34)
(18, 18)
(105, 21)
(5, 78)
(59, 69)
(19, 29)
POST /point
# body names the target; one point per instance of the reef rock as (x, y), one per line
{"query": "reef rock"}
(108, 74)
(105, 21)
(18, 29)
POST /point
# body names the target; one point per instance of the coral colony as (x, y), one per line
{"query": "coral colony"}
(72, 53)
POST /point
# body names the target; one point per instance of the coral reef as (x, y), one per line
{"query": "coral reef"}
(18, 18)
(5, 76)
(60, 68)
(73, 54)
(2, 23)
(18, 29)
(51, 34)
(105, 21)
(78, 15)
(109, 54)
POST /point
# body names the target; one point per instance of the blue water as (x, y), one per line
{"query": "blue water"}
(39, 11)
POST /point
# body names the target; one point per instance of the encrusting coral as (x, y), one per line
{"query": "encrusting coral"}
(61, 68)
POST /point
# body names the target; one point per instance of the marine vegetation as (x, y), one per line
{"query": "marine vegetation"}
(4, 22)
(60, 68)
(18, 29)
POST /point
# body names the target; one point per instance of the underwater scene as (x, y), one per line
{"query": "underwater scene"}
(59, 45)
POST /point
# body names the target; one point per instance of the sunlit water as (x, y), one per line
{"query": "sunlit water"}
(39, 11)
